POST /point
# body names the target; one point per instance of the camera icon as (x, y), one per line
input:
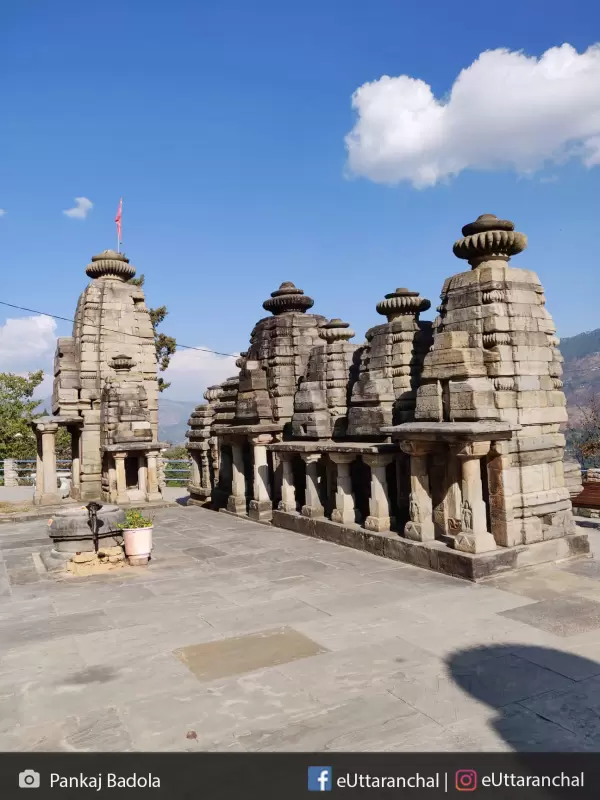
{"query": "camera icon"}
(29, 779)
(466, 780)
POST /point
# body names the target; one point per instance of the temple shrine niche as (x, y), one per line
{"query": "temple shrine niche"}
(438, 444)
(106, 393)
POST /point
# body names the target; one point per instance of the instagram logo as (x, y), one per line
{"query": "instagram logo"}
(466, 780)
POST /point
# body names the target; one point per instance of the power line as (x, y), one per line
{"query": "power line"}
(121, 333)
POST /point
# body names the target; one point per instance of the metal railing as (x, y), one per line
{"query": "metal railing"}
(24, 469)
(176, 471)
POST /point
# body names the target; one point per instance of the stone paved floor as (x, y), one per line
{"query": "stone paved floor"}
(243, 637)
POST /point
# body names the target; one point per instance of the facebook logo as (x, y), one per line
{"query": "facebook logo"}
(319, 779)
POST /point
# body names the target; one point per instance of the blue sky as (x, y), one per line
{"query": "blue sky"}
(222, 125)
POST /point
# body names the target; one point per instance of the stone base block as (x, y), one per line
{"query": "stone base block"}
(419, 531)
(313, 512)
(378, 523)
(286, 506)
(199, 496)
(261, 510)
(437, 556)
(342, 517)
(237, 505)
(469, 542)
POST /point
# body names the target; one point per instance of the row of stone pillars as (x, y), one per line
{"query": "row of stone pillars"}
(261, 504)
(345, 504)
(147, 476)
(446, 489)
(453, 502)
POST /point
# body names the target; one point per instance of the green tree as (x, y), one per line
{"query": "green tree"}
(165, 345)
(63, 445)
(17, 410)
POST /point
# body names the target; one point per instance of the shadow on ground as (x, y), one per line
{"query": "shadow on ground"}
(546, 700)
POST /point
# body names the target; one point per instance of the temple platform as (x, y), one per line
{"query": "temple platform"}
(437, 555)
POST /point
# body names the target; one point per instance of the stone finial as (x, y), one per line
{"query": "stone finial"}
(212, 393)
(241, 360)
(288, 299)
(400, 302)
(489, 239)
(336, 331)
(110, 263)
(122, 363)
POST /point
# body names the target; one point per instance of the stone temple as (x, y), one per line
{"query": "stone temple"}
(435, 443)
(105, 394)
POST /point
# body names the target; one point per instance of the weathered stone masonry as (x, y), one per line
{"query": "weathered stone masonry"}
(436, 443)
(105, 393)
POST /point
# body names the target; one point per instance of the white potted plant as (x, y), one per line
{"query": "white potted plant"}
(137, 536)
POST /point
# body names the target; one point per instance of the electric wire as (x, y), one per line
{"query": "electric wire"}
(121, 333)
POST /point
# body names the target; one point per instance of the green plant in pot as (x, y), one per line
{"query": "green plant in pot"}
(137, 536)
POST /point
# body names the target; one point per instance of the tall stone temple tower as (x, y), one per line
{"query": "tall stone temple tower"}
(106, 391)
(435, 443)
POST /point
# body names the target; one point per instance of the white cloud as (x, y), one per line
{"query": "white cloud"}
(506, 110)
(192, 371)
(80, 210)
(2, 212)
(28, 344)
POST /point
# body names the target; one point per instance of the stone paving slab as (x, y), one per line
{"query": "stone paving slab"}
(380, 655)
(564, 616)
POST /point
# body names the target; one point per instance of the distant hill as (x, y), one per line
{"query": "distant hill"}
(173, 417)
(580, 346)
(581, 370)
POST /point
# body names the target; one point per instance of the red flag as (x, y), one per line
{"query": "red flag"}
(118, 218)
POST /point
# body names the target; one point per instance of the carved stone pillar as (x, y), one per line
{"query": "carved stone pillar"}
(312, 506)
(75, 463)
(237, 499)
(39, 468)
(420, 526)
(46, 482)
(142, 475)
(122, 496)
(153, 488)
(379, 504)
(204, 468)
(345, 508)
(288, 490)
(195, 478)
(445, 491)
(112, 477)
(474, 536)
(215, 455)
(261, 506)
